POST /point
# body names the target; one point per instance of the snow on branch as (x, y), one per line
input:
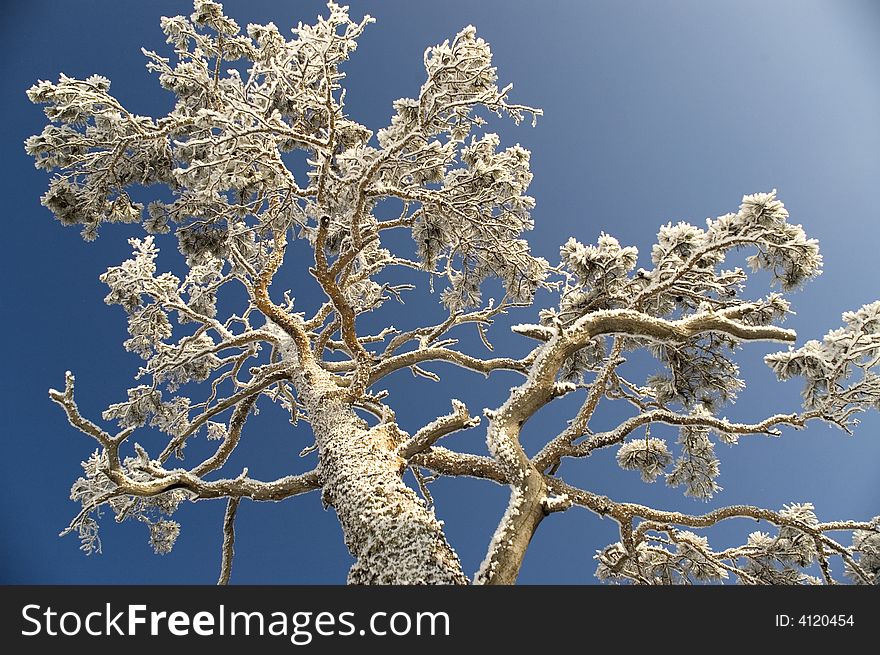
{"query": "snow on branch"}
(447, 462)
(459, 419)
(729, 429)
(764, 559)
(138, 487)
(841, 371)
(68, 404)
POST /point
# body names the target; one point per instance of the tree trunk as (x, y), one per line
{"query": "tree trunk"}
(387, 527)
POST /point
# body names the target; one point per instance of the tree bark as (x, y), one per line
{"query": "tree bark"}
(390, 531)
(524, 514)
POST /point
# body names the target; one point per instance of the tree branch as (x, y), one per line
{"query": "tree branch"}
(413, 357)
(641, 325)
(459, 419)
(227, 550)
(622, 511)
(68, 404)
(272, 374)
(344, 311)
(240, 487)
(550, 454)
(528, 489)
(618, 434)
(291, 325)
(236, 423)
(448, 462)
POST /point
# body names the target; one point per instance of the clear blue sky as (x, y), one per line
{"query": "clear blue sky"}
(653, 112)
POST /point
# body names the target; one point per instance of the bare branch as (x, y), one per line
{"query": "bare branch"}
(236, 423)
(68, 404)
(448, 462)
(227, 551)
(411, 358)
(618, 434)
(459, 419)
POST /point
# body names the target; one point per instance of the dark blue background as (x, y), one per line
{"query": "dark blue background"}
(653, 112)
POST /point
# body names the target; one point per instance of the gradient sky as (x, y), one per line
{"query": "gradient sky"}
(654, 111)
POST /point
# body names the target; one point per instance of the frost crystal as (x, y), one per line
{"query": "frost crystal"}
(163, 535)
(649, 456)
(697, 467)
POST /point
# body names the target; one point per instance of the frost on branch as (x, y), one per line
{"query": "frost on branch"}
(867, 545)
(687, 273)
(145, 405)
(700, 372)
(599, 276)
(471, 216)
(88, 116)
(96, 488)
(697, 467)
(659, 553)
(840, 372)
(779, 559)
(684, 563)
(649, 456)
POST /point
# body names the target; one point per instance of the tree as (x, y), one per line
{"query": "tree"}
(235, 195)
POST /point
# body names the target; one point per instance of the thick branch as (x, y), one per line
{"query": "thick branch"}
(641, 325)
(459, 419)
(292, 326)
(240, 487)
(528, 488)
(344, 311)
(448, 462)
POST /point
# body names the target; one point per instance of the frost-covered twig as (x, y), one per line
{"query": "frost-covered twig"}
(797, 518)
(618, 434)
(414, 357)
(230, 441)
(272, 374)
(459, 419)
(68, 404)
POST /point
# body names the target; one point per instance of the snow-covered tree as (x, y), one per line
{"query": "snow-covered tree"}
(226, 186)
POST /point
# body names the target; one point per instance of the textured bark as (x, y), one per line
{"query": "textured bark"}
(525, 511)
(387, 527)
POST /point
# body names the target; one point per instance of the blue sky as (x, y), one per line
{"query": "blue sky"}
(653, 112)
